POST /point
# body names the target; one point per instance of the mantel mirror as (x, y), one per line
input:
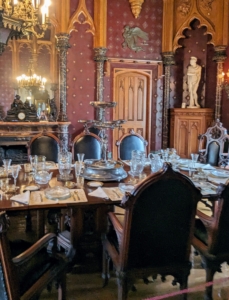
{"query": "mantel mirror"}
(28, 57)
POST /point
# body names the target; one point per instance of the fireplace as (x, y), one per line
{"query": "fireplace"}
(14, 148)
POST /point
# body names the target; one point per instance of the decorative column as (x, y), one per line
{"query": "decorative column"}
(62, 46)
(168, 61)
(63, 136)
(100, 58)
(219, 57)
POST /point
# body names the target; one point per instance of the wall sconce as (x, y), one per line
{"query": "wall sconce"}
(225, 84)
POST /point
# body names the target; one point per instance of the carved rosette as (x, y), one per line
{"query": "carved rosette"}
(219, 57)
(100, 58)
(168, 61)
(136, 7)
(62, 46)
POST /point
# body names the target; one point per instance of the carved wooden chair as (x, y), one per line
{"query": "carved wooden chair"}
(211, 239)
(128, 142)
(26, 270)
(46, 144)
(157, 231)
(212, 145)
(88, 143)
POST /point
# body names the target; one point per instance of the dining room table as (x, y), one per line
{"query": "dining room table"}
(30, 196)
(81, 200)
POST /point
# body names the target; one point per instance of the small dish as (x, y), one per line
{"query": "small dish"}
(126, 187)
(32, 187)
(95, 183)
(220, 173)
(70, 184)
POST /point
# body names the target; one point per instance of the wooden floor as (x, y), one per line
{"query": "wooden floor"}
(87, 285)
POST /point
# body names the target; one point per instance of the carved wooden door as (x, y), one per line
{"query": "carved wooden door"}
(132, 94)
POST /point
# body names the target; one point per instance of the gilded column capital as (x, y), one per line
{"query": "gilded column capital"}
(168, 58)
(220, 53)
(62, 41)
(100, 54)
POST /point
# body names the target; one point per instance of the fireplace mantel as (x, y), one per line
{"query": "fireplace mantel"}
(17, 134)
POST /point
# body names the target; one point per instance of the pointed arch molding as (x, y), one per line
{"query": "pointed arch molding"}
(186, 25)
(82, 9)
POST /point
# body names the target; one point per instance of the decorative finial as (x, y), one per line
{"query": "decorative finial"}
(136, 7)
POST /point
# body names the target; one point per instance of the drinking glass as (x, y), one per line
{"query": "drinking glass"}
(33, 162)
(80, 182)
(137, 162)
(194, 157)
(78, 167)
(64, 165)
(80, 157)
(27, 168)
(7, 163)
(15, 171)
(65, 170)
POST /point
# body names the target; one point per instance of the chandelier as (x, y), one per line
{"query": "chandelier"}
(22, 18)
(31, 80)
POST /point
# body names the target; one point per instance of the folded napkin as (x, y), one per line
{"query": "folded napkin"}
(208, 167)
(22, 198)
(217, 180)
(99, 192)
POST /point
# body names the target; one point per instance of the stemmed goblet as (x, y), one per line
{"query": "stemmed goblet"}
(7, 163)
(80, 157)
(15, 170)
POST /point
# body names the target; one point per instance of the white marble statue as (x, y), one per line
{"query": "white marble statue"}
(193, 74)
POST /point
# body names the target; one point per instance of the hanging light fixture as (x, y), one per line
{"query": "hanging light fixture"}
(22, 17)
(31, 80)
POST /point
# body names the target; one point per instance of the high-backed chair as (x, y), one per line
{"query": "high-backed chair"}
(211, 238)
(157, 231)
(27, 270)
(212, 144)
(46, 144)
(128, 142)
(88, 143)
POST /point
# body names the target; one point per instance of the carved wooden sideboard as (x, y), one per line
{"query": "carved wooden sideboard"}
(185, 126)
(15, 136)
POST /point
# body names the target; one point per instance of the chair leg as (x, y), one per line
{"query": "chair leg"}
(122, 286)
(210, 272)
(62, 288)
(106, 263)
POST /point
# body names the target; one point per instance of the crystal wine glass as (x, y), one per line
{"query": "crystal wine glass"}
(7, 163)
(15, 171)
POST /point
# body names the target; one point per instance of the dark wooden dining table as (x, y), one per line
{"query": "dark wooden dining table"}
(75, 210)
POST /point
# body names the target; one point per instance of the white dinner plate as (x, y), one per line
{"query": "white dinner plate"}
(34, 187)
(95, 183)
(220, 173)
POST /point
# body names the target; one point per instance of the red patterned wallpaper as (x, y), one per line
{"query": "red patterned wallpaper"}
(150, 21)
(6, 88)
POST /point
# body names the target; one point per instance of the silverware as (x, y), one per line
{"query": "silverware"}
(75, 192)
(73, 196)
(41, 197)
(114, 191)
